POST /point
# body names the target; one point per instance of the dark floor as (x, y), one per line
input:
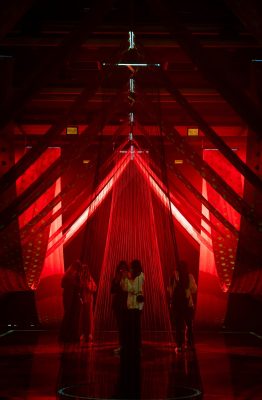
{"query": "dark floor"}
(224, 366)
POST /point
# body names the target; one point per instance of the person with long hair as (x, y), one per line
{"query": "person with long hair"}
(182, 289)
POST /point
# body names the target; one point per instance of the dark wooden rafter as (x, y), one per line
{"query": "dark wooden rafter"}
(190, 187)
(31, 194)
(203, 200)
(42, 144)
(66, 224)
(45, 180)
(11, 11)
(72, 190)
(250, 14)
(211, 134)
(214, 70)
(51, 64)
(44, 219)
(198, 163)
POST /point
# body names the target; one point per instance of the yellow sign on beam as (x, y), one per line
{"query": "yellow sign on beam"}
(192, 132)
(72, 130)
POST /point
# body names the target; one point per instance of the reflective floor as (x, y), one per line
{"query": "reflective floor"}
(224, 365)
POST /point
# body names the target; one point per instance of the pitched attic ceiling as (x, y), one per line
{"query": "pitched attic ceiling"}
(37, 35)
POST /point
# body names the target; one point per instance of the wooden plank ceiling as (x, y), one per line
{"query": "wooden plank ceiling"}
(206, 49)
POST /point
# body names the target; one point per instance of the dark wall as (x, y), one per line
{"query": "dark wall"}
(18, 308)
(244, 313)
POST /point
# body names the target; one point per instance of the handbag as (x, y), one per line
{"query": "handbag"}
(140, 298)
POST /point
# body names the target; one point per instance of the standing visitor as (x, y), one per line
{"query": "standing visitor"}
(71, 301)
(182, 288)
(87, 289)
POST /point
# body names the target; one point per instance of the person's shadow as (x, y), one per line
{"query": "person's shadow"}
(129, 382)
(184, 376)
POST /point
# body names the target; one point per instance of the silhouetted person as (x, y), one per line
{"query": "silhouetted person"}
(182, 287)
(119, 300)
(87, 290)
(71, 301)
(135, 303)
